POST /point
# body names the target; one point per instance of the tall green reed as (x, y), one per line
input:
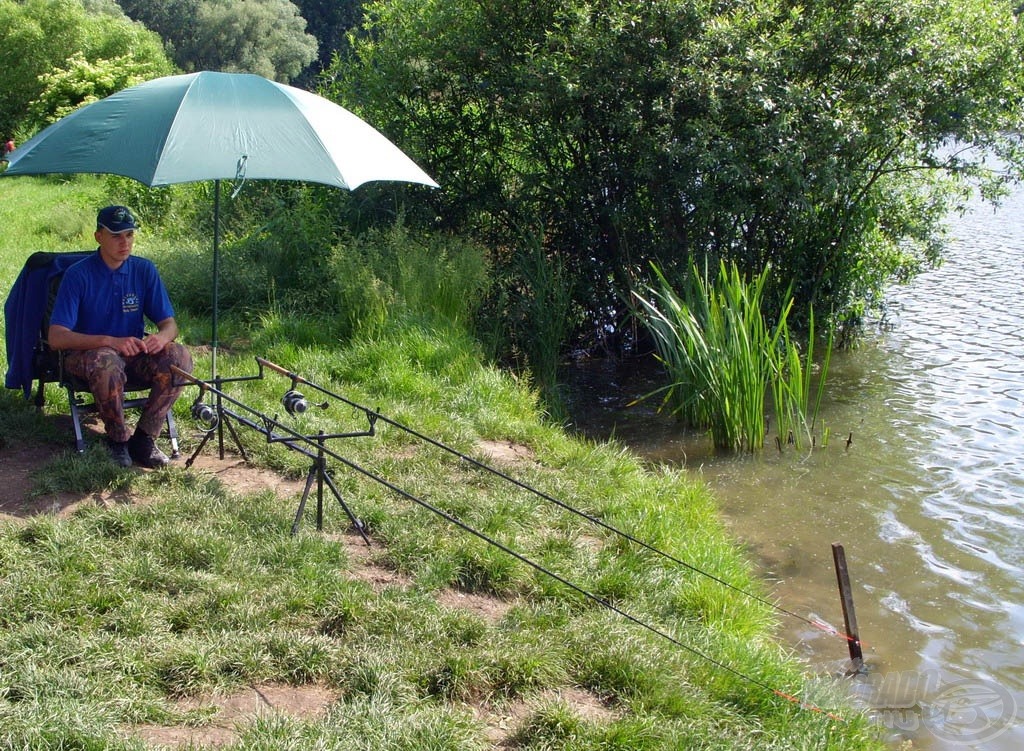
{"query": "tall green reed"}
(723, 357)
(795, 414)
(546, 313)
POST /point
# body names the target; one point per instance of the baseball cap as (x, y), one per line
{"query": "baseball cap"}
(116, 219)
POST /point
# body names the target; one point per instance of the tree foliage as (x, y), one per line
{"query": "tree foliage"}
(811, 139)
(329, 21)
(56, 55)
(266, 37)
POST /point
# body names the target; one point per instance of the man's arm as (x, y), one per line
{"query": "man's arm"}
(61, 337)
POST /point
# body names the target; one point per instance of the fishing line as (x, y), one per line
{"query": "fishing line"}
(582, 591)
(824, 627)
(314, 446)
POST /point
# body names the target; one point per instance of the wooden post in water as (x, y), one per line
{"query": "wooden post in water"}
(849, 615)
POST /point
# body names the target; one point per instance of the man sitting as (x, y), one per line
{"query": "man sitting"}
(99, 317)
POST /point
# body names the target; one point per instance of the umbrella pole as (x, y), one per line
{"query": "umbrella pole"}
(213, 341)
(216, 275)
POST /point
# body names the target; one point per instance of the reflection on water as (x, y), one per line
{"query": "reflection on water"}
(926, 498)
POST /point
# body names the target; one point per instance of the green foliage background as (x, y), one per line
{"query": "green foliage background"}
(265, 37)
(55, 55)
(813, 139)
(821, 143)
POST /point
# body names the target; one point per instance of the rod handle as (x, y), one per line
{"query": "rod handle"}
(187, 376)
(283, 371)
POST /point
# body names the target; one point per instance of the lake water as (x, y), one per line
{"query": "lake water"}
(927, 498)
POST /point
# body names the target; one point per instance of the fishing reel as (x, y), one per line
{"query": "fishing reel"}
(206, 414)
(295, 403)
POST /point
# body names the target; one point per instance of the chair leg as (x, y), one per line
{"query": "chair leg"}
(79, 408)
(172, 431)
(76, 419)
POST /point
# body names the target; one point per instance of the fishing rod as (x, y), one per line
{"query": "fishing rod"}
(297, 379)
(315, 446)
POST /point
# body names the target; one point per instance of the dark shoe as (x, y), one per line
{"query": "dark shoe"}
(144, 452)
(119, 453)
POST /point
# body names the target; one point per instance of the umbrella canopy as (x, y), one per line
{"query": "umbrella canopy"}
(214, 126)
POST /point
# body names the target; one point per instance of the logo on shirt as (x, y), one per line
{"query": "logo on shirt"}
(130, 303)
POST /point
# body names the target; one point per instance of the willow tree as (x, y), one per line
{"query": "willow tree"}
(822, 140)
(266, 37)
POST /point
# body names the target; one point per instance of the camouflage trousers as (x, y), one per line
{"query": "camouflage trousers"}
(106, 371)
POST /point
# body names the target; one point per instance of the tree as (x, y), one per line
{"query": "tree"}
(56, 56)
(329, 21)
(266, 37)
(174, 20)
(808, 138)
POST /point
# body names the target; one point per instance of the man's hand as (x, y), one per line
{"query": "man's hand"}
(129, 346)
(155, 343)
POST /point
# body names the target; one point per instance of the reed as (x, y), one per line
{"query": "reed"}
(796, 414)
(543, 313)
(723, 357)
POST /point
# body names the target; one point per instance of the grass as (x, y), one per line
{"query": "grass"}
(189, 588)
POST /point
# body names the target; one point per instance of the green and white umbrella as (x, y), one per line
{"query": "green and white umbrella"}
(216, 126)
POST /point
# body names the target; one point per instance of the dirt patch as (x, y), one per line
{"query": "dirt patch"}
(506, 451)
(502, 721)
(20, 466)
(244, 479)
(233, 712)
(362, 565)
(491, 609)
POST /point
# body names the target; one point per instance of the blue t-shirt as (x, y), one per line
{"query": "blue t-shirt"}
(93, 299)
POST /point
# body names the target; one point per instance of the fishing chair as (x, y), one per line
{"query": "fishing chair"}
(48, 364)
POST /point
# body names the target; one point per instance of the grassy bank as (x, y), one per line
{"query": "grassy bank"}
(188, 588)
